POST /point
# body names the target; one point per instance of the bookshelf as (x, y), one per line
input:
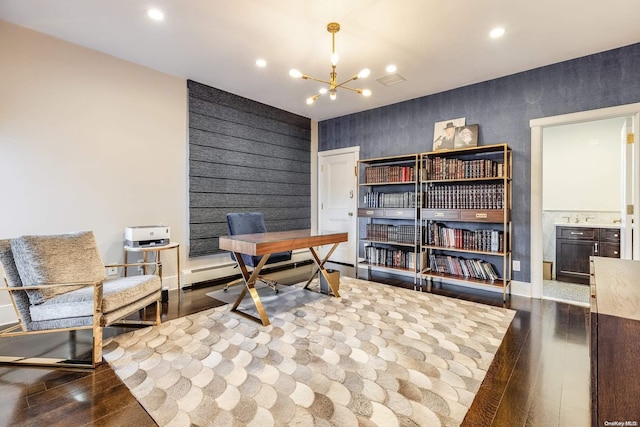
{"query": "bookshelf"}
(388, 208)
(466, 216)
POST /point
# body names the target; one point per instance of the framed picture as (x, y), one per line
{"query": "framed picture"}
(444, 133)
(466, 136)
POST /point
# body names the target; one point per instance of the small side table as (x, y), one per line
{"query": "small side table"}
(157, 250)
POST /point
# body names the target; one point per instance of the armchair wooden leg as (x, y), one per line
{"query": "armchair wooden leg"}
(97, 346)
(158, 312)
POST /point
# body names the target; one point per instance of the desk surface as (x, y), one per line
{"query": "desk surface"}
(279, 241)
(617, 287)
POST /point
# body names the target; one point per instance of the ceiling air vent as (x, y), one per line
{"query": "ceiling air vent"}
(391, 79)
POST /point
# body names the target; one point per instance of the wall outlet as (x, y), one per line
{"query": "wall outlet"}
(516, 265)
(112, 271)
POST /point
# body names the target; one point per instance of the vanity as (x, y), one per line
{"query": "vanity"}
(575, 243)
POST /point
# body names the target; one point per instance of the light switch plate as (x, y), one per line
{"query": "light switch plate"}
(516, 265)
(112, 271)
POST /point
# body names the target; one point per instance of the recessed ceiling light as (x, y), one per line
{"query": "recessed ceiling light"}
(155, 14)
(497, 33)
(261, 62)
(391, 68)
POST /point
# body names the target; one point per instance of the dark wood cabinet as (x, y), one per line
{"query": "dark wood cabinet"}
(574, 246)
(615, 342)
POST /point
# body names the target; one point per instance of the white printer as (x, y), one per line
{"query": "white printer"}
(147, 235)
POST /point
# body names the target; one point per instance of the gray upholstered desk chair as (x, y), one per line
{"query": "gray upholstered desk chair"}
(57, 283)
(251, 223)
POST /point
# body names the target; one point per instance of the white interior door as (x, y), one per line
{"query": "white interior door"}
(338, 199)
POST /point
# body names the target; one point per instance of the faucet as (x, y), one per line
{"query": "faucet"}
(617, 221)
(587, 218)
(577, 220)
(568, 218)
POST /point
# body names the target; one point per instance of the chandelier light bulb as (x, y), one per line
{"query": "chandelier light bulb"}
(295, 73)
(310, 100)
(323, 90)
(333, 95)
(366, 92)
(364, 73)
(334, 59)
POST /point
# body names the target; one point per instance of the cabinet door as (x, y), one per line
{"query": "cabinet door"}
(572, 260)
(609, 250)
(610, 234)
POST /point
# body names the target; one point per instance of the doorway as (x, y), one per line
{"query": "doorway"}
(631, 197)
(581, 191)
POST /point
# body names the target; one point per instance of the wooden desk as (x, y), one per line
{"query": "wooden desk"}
(267, 243)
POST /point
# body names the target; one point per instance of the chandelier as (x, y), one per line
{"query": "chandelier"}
(332, 83)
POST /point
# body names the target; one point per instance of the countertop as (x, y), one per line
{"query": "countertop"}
(587, 224)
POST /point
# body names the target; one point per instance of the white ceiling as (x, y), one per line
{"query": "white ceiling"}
(436, 44)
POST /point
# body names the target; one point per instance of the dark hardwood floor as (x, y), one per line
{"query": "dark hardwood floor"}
(539, 377)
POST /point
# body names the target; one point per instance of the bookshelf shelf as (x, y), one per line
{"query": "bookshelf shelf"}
(393, 270)
(388, 242)
(463, 180)
(371, 184)
(469, 251)
(462, 280)
(466, 210)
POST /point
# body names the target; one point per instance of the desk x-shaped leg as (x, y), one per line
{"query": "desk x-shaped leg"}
(320, 267)
(249, 285)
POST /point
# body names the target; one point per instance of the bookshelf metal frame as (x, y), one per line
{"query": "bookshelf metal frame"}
(375, 213)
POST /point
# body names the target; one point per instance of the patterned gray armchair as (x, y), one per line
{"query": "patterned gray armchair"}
(57, 283)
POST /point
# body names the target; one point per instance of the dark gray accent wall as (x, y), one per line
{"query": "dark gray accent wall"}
(503, 108)
(244, 156)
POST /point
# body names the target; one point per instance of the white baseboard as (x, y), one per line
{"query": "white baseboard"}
(522, 289)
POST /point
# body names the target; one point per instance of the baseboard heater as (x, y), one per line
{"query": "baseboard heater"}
(211, 275)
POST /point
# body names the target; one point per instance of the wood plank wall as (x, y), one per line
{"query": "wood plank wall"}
(244, 156)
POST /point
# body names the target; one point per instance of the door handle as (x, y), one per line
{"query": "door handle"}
(351, 194)
(350, 214)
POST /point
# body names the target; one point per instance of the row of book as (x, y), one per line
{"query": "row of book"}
(407, 199)
(435, 234)
(393, 258)
(438, 168)
(462, 267)
(461, 196)
(381, 174)
(392, 233)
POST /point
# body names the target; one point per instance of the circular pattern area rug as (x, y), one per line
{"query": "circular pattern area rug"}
(379, 355)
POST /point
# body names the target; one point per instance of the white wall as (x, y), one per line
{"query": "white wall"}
(582, 166)
(88, 142)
